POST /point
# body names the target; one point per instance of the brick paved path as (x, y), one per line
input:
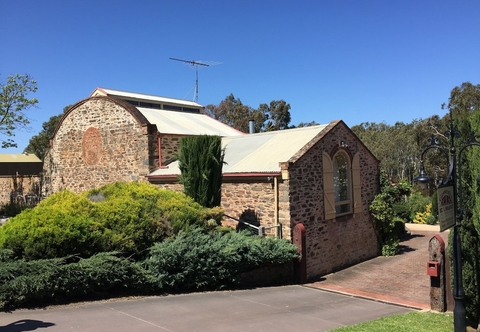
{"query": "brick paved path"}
(401, 279)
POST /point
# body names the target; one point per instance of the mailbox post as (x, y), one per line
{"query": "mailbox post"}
(436, 269)
(453, 188)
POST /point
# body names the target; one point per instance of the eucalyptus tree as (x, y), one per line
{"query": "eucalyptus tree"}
(267, 117)
(277, 115)
(14, 101)
(40, 143)
(234, 113)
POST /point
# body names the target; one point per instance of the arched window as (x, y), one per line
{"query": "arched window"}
(342, 183)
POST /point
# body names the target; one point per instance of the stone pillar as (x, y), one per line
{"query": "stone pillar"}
(300, 266)
(436, 269)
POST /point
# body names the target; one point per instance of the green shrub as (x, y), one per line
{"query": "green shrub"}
(124, 217)
(401, 210)
(390, 247)
(417, 203)
(399, 226)
(59, 226)
(388, 212)
(12, 209)
(198, 260)
(130, 214)
(59, 280)
(195, 260)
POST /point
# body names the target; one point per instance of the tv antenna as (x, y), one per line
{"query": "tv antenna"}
(194, 64)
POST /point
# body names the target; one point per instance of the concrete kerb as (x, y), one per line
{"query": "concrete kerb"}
(422, 227)
(370, 297)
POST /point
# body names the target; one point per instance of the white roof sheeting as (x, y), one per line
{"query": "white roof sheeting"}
(184, 123)
(258, 153)
(141, 96)
(19, 158)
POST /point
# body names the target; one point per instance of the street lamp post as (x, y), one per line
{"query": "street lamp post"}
(452, 180)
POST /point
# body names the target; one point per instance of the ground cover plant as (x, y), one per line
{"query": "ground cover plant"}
(193, 261)
(60, 280)
(200, 260)
(410, 322)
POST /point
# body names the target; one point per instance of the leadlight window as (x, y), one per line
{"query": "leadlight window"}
(342, 183)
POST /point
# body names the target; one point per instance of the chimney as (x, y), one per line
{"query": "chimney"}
(251, 127)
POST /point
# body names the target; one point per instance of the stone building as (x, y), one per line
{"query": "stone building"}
(20, 178)
(321, 177)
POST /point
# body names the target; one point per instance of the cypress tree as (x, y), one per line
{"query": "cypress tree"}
(201, 161)
(464, 103)
(470, 225)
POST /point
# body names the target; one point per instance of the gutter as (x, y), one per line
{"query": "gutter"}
(225, 175)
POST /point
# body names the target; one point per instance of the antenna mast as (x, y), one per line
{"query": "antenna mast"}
(194, 64)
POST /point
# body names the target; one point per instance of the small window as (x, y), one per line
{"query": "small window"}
(171, 107)
(192, 110)
(342, 183)
(133, 102)
(144, 104)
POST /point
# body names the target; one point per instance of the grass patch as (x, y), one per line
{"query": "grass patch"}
(413, 321)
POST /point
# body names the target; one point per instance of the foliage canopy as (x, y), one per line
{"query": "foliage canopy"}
(201, 162)
(125, 217)
(14, 102)
(40, 143)
(267, 117)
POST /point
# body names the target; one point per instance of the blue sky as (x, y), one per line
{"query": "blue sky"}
(358, 61)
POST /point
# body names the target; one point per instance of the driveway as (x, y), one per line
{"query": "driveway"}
(289, 308)
(401, 279)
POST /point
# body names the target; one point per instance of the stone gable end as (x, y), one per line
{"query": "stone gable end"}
(97, 142)
(343, 241)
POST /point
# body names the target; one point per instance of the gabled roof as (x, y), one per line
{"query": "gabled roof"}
(20, 164)
(169, 121)
(182, 123)
(141, 96)
(19, 158)
(257, 153)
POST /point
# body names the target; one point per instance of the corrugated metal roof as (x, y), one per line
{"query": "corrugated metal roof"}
(172, 122)
(19, 158)
(258, 153)
(134, 95)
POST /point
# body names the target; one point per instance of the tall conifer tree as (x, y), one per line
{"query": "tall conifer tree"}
(201, 163)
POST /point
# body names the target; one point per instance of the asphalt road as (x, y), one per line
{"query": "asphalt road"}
(288, 308)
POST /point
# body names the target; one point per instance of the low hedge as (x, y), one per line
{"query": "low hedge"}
(198, 260)
(193, 261)
(61, 280)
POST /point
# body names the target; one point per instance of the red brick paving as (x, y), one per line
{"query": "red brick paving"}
(401, 279)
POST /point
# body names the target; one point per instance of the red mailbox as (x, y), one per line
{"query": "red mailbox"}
(433, 268)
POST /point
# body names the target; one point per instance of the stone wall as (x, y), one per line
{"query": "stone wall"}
(20, 189)
(170, 147)
(343, 241)
(253, 202)
(250, 202)
(99, 140)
